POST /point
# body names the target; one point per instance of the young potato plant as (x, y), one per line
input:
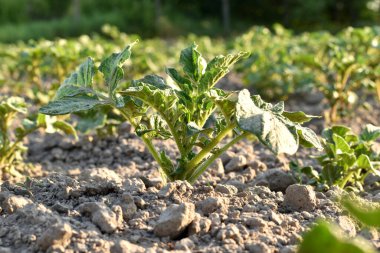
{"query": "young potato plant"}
(347, 160)
(191, 111)
(11, 138)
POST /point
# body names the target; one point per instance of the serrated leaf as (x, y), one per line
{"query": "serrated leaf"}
(181, 82)
(69, 90)
(219, 67)
(270, 129)
(71, 104)
(194, 65)
(298, 117)
(153, 80)
(111, 67)
(83, 76)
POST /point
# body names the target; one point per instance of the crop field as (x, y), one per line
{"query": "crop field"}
(264, 142)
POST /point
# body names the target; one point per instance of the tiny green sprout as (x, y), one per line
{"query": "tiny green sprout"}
(12, 111)
(180, 111)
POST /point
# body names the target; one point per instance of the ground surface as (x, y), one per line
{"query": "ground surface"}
(105, 195)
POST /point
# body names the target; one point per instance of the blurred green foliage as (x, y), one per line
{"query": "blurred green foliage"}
(25, 19)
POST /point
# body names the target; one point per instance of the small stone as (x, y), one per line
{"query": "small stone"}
(275, 218)
(256, 222)
(123, 246)
(289, 249)
(101, 215)
(277, 179)
(210, 205)
(153, 182)
(231, 231)
(185, 244)
(300, 198)
(174, 220)
(236, 163)
(200, 225)
(15, 202)
(5, 250)
(258, 248)
(134, 185)
(56, 235)
(60, 208)
(128, 206)
(347, 225)
(226, 189)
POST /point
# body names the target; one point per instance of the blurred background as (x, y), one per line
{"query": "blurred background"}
(33, 19)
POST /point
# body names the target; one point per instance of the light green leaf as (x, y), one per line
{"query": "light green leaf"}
(269, 128)
(111, 67)
(370, 133)
(69, 90)
(326, 237)
(71, 104)
(298, 117)
(367, 214)
(341, 146)
(66, 128)
(83, 76)
(194, 65)
(219, 67)
(308, 135)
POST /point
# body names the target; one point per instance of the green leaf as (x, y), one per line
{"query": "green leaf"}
(219, 67)
(153, 80)
(89, 120)
(326, 237)
(367, 214)
(66, 128)
(71, 104)
(341, 146)
(111, 67)
(71, 91)
(194, 65)
(364, 162)
(267, 126)
(181, 82)
(82, 77)
(298, 117)
(370, 133)
(308, 135)
(12, 104)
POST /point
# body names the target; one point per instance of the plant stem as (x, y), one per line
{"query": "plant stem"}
(150, 147)
(346, 178)
(194, 176)
(208, 148)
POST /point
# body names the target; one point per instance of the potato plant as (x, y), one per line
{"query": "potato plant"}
(12, 110)
(180, 111)
(347, 159)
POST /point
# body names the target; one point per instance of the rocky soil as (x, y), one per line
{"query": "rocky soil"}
(105, 195)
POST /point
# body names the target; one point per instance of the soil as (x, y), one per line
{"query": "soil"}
(106, 195)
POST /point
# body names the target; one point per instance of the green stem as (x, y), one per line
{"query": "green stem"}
(194, 176)
(150, 146)
(346, 178)
(208, 148)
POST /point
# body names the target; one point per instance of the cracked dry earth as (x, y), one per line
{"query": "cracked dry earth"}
(105, 195)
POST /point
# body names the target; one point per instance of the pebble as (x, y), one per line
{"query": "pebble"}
(236, 163)
(174, 220)
(56, 235)
(101, 215)
(123, 246)
(300, 198)
(226, 189)
(210, 205)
